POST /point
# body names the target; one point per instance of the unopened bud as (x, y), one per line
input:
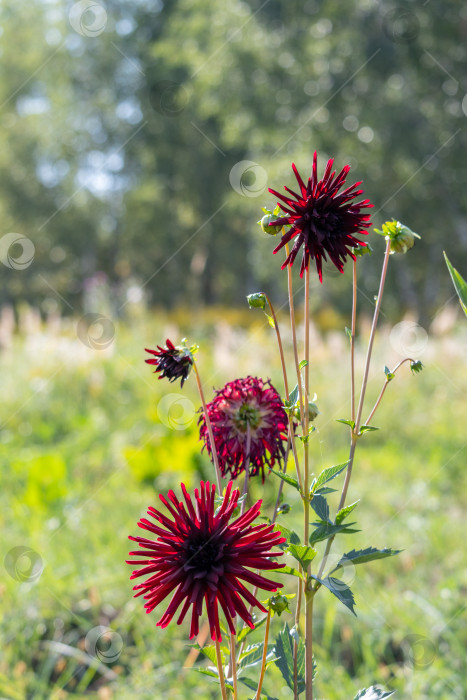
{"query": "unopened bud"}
(402, 238)
(265, 224)
(313, 412)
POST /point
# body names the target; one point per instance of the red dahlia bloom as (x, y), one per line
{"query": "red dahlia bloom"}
(172, 362)
(199, 556)
(322, 218)
(249, 425)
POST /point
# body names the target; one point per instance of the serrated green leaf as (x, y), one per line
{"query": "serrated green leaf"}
(288, 479)
(245, 631)
(366, 429)
(460, 285)
(253, 685)
(303, 364)
(205, 671)
(209, 651)
(302, 553)
(290, 535)
(284, 661)
(346, 422)
(361, 556)
(328, 474)
(326, 530)
(321, 508)
(253, 656)
(324, 490)
(290, 571)
(373, 693)
(294, 395)
(345, 511)
(340, 589)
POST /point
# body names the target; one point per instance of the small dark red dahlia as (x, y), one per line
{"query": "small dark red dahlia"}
(249, 425)
(322, 218)
(172, 362)
(199, 556)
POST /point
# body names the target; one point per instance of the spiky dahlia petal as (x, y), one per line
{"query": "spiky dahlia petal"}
(323, 220)
(202, 558)
(249, 426)
(172, 362)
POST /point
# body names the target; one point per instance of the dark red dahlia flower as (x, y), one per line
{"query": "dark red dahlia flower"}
(199, 556)
(322, 218)
(172, 362)
(249, 425)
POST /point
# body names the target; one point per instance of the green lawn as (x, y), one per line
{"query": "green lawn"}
(86, 443)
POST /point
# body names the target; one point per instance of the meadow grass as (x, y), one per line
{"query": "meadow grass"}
(88, 439)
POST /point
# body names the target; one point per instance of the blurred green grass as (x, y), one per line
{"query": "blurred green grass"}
(88, 438)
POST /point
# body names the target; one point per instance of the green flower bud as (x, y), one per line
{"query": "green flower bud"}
(265, 224)
(279, 604)
(416, 366)
(312, 411)
(283, 509)
(402, 238)
(257, 300)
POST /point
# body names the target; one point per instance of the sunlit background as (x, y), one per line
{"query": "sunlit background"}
(138, 140)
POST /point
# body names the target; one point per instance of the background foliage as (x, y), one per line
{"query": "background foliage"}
(118, 144)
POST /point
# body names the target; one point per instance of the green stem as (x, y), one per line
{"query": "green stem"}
(378, 401)
(233, 662)
(209, 428)
(265, 653)
(220, 669)
(306, 502)
(354, 432)
(352, 341)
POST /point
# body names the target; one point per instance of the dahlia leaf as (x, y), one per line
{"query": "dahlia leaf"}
(326, 530)
(284, 661)
(290, 570)
(321, 508)
(209, 651)
(344, 512)
(348, 332)
(270, 320)
(303, 364)
(253, 685)
(339, 589)
(205, 671)
(366, 429)
(346, 422)
(328, 475)
(288, 479)
(303, 554)
(389, 375)
(373, 693)
(253, 655)
(459, 282)
(361, 556)
(290, 535)
(245, 631)
(293, 396)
